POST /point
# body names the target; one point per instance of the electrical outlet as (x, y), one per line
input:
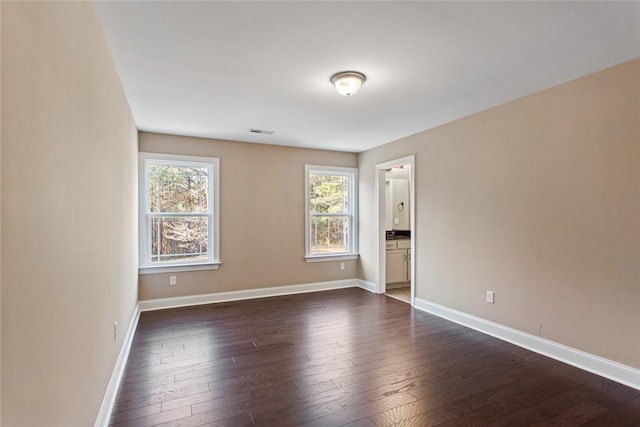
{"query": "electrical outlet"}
(490, 297)
(172, 280)
(115, 331)
(342, 266)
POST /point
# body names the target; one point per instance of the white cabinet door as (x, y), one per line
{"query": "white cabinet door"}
(396, 266)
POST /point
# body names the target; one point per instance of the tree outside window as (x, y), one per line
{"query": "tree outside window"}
(178, 210)
(330, 211)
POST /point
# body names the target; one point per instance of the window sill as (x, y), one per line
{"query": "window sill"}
(324, 258)
(178, 267)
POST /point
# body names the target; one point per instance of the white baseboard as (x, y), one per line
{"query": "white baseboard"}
(367, 286)
(162, 303)
(116, 376)
(589, 362)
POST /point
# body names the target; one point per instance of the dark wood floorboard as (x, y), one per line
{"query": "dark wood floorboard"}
(348, 358)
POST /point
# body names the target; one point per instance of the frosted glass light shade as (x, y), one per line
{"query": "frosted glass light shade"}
(348, 83)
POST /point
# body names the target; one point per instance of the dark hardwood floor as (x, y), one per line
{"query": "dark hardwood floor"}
(348, 357)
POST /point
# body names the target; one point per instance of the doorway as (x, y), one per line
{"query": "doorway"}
(395, 196)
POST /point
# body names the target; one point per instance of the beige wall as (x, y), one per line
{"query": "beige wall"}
(539, 201)
(261, 217)
(69, 208)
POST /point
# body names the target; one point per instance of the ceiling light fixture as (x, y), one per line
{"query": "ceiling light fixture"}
(262, 131)
(348, 83)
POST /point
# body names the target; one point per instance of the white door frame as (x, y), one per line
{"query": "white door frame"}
(381, 246)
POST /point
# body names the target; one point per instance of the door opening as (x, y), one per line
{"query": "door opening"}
(396, 228)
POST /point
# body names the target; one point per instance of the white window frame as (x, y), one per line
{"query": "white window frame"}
(212, 164)
(352, 174)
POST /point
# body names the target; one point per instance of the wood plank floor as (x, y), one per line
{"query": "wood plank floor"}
(348, 357)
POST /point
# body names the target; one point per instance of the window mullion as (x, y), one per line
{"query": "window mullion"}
(177, 214)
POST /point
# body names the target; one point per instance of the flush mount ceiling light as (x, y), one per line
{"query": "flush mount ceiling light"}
(262, 131)
(348, 83)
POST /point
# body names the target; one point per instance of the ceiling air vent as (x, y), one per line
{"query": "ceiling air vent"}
(262, 131)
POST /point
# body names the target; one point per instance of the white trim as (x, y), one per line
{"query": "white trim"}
(323, 258)
(162, 303)
(367, 286)
(589, 362)
(213, 166)
(380, 240)
(109, 399)
(352, 174)
(178, 267)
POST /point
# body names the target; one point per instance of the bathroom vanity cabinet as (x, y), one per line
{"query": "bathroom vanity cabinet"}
(398, 257)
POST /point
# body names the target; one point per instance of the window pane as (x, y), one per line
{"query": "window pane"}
(329, 234)
(178, 189)
(179, 239)
(328, 193)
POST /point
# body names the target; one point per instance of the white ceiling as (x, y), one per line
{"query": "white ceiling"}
(217, 69)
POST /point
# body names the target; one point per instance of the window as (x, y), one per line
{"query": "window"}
(331, 213)
(178, 212)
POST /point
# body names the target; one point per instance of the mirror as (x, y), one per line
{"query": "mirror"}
(397, 199)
